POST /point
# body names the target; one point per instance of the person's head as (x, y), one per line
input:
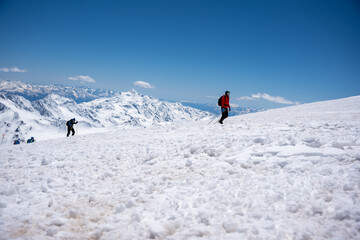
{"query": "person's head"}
(73, 119)
(227, 93)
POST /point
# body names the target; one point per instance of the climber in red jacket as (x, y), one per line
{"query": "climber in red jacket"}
(225, 106)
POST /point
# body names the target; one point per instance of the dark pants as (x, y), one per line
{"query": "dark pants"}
(72, 130)
(224, 114)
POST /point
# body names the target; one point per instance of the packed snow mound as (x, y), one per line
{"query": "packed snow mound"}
(290, 173)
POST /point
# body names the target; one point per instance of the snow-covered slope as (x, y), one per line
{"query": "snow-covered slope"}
(45, 118)
(19, 119)
(42, 119)
(290, 173)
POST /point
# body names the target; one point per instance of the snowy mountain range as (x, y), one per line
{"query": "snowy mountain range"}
(45, 118)
(84, 94)
(34, 92)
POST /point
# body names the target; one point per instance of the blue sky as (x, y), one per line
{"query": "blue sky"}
(264, 52)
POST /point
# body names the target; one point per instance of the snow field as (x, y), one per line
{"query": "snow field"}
(290, 173)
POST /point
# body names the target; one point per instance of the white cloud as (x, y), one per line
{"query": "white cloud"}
(143, 84)
(267, 97)
(245, 98)
(208, 96)
(13, 69)
(276, 99)
(82, 78)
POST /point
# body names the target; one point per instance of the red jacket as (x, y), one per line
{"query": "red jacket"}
(225, 102)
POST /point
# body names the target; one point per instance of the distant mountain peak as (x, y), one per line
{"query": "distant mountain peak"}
(134, 92)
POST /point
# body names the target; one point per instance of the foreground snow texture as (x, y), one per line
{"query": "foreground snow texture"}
(289, 173)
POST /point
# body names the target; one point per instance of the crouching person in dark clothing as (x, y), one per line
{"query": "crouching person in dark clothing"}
(70, 126)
